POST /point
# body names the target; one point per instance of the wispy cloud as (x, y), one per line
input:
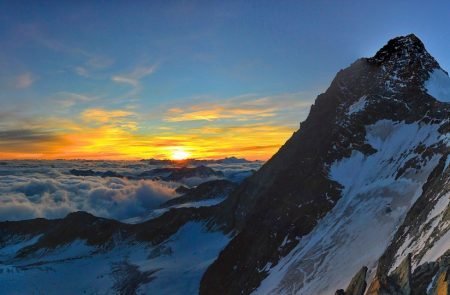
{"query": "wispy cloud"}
(81, 71)
(68, 99)
(133, 78)
(242, 108)
(29, 142)
(119, 118)
(22, 135)
(92, 61)
(25, 80)
(35, 33)
(104, 116)
(91, 67)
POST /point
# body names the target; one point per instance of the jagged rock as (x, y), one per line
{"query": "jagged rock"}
(96, 231)
(358, 284)
(401, 276)
(422, 277)
(377, 287)
(441, 285)
(398, 283)
(441, 282)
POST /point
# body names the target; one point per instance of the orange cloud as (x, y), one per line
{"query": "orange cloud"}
(212, 112)
(104, 116)
(203, 130)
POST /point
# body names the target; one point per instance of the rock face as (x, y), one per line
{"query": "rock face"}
(369, 144)
(399, 282)
(358, 284)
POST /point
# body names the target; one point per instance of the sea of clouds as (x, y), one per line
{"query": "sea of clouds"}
(30, 189)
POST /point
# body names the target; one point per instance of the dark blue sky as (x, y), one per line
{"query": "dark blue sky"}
(154, 59)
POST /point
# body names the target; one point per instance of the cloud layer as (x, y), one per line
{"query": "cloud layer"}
(30, 189)
(52, 194)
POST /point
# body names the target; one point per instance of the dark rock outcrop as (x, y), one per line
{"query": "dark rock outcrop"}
(358, 284)
(95, 231)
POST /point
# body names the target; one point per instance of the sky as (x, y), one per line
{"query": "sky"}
(203, 79)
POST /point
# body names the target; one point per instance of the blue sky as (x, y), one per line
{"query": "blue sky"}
(157, 69)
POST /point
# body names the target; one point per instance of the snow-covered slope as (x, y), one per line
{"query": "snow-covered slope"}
(164, 252)
(358, 229)
(174, 266)
(438, 85)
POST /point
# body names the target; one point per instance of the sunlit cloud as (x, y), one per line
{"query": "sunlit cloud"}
(243, 108)
(247, 126)
(120, 118)
(125, 80)
(102, 115)
(215, 112)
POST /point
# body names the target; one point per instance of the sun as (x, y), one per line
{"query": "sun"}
(179, 154)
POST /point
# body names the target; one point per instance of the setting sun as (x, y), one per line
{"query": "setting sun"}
(180, 154)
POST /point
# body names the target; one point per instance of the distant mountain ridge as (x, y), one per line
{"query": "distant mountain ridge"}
(228, 160)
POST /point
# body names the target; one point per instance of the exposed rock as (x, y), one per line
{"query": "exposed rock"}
(358, 284)
(441, 284)
(401, 276)
(95, 231)
(422, 277)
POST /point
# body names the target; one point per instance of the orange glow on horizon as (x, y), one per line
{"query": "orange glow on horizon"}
(254, 143)
(179, 154)
(100, 134)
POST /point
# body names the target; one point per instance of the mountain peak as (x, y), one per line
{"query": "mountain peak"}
(409, 46)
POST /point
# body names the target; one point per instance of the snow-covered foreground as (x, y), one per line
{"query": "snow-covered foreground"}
(375, 199)
(172, 267)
